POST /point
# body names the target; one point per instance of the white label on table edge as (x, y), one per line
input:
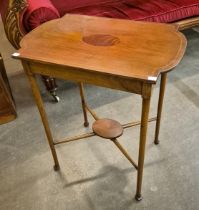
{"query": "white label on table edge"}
(152, 78)
(16, 54)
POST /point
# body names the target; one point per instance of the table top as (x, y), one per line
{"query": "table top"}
(125, 48)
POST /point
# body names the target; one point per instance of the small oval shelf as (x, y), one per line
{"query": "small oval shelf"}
(107, 128)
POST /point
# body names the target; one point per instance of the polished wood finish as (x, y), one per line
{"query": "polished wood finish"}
(188, 23)
(107, 128)
(94, 115)
(101, 40)
(141, 57)
(74, 138)
(14, 33)
(91, 134)
(133, 64)
(143, 133)
(160, 105)
(125, 153)
(81, 91)
(40, 105)
(7, 106)
(132, 124)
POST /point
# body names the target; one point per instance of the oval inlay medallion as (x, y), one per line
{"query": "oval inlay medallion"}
(101, 40)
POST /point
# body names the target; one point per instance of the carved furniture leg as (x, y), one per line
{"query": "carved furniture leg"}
(143, 134)
(160, 105)
(51, 86)
(81, 90)
(40, 105)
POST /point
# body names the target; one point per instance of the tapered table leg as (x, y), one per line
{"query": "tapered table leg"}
(81, 90)
(40, 105)
(143, 134)
(160, 105)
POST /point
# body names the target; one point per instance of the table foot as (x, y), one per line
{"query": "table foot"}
(56, 167)
(138, 197)
(86, 124)
(156, 142)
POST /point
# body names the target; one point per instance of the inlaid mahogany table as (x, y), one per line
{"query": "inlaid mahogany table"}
(118, 54)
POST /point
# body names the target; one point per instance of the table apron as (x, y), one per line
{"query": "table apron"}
(86, 76)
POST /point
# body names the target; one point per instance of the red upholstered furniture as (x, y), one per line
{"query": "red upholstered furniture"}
(21, 16)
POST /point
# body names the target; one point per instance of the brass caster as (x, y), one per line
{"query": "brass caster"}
(56, 167)
(138, 197)
(86, 124)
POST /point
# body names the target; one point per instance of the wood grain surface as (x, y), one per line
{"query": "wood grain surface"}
(107, 128)
(136, 50)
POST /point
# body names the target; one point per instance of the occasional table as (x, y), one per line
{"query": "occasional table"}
(113, 53)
